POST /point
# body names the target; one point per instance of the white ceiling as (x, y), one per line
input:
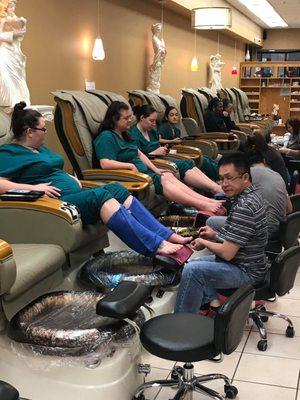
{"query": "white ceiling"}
(289, 10)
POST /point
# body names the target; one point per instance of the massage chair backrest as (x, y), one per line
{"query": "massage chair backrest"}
(208, 93)
(284, 270)
(6, 134)
(77, 118)
(289, 230)
(193, 105)
(109, 97)
(242, 103)
(232, 97)
(231, 319)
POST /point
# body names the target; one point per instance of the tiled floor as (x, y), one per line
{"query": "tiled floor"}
(270, 375)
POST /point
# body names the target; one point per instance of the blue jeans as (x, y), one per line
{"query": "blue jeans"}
(200, 278)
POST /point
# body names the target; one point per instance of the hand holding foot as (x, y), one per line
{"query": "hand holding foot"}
(175, 238)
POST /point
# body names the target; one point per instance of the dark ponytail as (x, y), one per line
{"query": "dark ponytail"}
(22, 119)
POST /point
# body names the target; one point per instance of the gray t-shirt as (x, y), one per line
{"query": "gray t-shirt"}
(272, 188)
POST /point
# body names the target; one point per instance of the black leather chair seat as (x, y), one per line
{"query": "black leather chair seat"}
(180, 337)
(8, 392)
(263, 291)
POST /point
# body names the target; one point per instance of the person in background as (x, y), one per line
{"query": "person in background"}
(169, 133)
(272, 156)
(292, 149)
(227, 110)
(213, 118)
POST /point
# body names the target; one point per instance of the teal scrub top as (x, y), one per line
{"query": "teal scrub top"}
(21, 165)
(146, 146)
(109, 145)
(168, 132)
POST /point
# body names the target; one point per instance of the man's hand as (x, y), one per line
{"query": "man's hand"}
(207, 233)
(197, 244)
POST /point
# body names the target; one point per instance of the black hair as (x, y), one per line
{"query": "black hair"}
(22, 119)
(226, 102)
(167, 112)
(295, 124)
(255, 157)
(239, 161)
(214, 102)
(258, 143)
(143, 111)
(112, 115)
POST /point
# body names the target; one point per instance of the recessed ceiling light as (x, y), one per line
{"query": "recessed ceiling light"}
(265, 12)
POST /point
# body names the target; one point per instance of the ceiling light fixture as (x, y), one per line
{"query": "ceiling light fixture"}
(211, 18)
(265, 12)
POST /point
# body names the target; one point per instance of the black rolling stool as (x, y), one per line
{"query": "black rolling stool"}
(8, 392)
(190, 337)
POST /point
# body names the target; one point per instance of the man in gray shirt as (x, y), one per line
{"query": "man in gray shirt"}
(272, 188)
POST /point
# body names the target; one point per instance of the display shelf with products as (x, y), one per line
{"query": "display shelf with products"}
(269, 83)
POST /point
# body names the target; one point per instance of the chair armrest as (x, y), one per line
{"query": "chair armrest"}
(43, 221)
(188, 150)
(8, 270)
(133, 181)
(165, 164)
(241, 135)
(209, 148)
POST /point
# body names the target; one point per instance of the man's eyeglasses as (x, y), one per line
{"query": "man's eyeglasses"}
(40, 129)
(224, 179)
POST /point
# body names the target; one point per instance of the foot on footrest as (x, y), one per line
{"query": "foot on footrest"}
(174, 260)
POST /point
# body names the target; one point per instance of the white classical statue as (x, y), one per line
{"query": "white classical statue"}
(215, 65)
(160, 52)
(13, 87)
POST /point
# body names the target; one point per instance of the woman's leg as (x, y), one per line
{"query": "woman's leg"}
(195, 177)
(136, 236)
(147, 220)
(177, 191)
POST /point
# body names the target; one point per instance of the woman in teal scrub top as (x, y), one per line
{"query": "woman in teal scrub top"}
(147, 140)
(170, 133)
(115, 149)
(28, 164)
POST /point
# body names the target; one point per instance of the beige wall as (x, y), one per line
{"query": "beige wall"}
(60, 36)
(282, 39)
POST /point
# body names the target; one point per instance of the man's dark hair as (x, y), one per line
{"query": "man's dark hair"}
(213, 103)
(239, 161)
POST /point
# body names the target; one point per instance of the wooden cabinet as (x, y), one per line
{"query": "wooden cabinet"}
(268, 83)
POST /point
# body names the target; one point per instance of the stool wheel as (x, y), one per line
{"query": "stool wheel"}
(290, 331)
(176, 372)
(230, 391)
(262, 345)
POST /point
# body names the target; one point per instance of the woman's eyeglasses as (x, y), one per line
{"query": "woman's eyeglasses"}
(40, 129)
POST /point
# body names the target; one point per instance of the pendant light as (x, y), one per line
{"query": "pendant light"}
(98, 50)
(194, 63)
(234, 70)
(247, 56)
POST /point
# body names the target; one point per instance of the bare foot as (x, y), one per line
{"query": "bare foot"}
(167, 248)
(180, 239)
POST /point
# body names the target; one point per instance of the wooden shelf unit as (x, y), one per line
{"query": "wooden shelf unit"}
(268, 83)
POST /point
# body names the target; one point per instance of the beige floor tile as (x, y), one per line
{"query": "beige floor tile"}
(226, 367)
(250, 391)
(156, 373)
(283, 305)
(156, 362)
(268, 370)
(294, 293)
(278, 346)
(277, 325)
